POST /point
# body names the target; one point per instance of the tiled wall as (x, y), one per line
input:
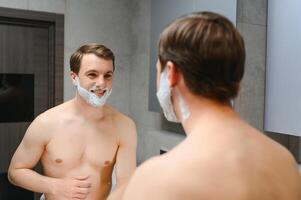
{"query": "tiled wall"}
(55, 6)
(251, 22)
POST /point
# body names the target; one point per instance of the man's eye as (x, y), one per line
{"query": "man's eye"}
(108, 76)
(91, 75)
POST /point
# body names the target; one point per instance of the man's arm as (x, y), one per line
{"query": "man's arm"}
(28, 154)
(126, 158)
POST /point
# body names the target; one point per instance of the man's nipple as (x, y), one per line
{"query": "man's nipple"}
(106, 163)
(58, 160)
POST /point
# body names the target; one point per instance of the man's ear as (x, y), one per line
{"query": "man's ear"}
(172, 74)
(72, 76)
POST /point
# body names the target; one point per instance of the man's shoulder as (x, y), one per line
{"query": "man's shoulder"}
(174, 176)
(164, 177)
(119, 118)
(52, 115)
(43, 123)
(147, 182)
(260, 146)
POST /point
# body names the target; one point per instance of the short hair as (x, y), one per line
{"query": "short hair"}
(208, 51)
(97, 49)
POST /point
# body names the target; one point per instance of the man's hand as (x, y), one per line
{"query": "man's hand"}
(73, 188)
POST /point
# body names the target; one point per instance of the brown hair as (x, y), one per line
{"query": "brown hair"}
(97, 49)
(208, 50)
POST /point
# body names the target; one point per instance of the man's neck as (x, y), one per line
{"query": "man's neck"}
(204, 112)
(87, 111)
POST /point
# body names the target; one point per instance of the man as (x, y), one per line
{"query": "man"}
(200, 65)
(79, 141)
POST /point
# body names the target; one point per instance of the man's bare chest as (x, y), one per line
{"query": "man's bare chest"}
(82, 146)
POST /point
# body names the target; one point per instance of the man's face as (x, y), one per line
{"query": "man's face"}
(95, 71)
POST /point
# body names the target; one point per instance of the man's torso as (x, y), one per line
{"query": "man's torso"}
(82, 148)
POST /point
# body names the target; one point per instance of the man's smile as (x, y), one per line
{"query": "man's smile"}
(98, 92)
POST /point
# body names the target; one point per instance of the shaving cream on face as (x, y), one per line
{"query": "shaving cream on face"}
(164, 97)
(91, 98)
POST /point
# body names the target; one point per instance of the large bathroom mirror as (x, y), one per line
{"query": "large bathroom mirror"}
(162, 13)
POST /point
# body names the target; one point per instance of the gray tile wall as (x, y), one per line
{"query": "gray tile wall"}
(55, 6)
(19, 4)
(251, 22)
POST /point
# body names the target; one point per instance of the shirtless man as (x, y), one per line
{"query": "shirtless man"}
(79, 141)
(200, 65)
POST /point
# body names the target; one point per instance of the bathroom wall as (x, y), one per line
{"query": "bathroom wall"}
(251, 22)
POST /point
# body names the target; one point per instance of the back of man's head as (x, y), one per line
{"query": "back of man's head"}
(209, 52)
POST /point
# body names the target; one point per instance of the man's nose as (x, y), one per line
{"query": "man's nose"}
(100, 82)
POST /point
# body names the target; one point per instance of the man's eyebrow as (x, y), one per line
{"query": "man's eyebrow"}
(110, 71)
(95, 71)
(91, 71)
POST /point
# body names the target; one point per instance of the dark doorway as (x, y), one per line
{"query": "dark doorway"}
(31, 57)
(16, 90)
